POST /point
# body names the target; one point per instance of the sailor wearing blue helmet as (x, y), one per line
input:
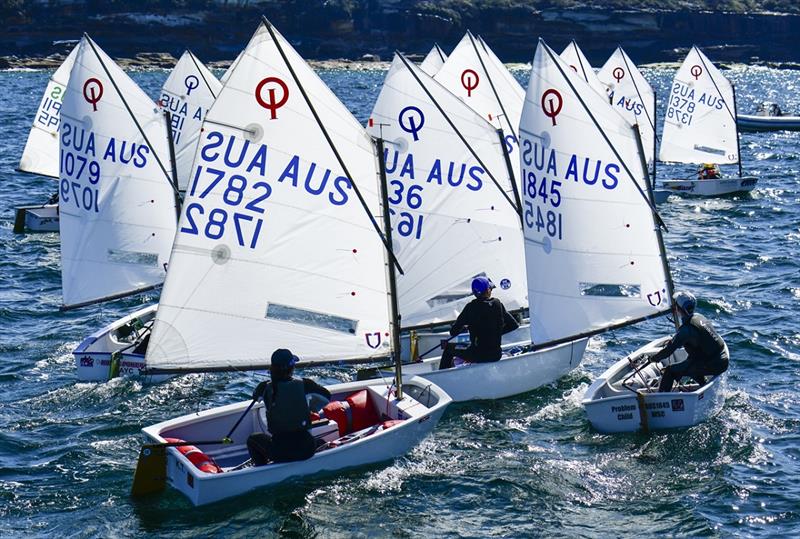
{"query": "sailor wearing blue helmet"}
(487, 321)
(706, 351)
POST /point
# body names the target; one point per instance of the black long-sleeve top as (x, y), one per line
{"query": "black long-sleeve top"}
(488, 321)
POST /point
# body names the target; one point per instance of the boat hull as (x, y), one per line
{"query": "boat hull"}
(514, 374)
(710, 188)
(747, 122)
(36, 218)
(611, 407)
(93, 356)
(422, 408)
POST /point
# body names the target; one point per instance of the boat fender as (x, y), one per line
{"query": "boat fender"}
(354, 413)
(201, 461)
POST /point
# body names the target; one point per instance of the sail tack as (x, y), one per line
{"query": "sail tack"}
(433, 61)
(116, 202)
(40, 155)
(451, 197)
(631, 95)
(592, 251)
(274, 248)
(700, 122)
(187, 94)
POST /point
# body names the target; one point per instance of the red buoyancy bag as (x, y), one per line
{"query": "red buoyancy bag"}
(354, 413)
(201, 461)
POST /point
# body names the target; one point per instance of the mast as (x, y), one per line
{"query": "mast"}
(662, 250)
(736, 123)
(655, 135)
(395, 311)
(173, 164)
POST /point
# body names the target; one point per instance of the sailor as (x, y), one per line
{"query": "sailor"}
(708, 171)
(288, 413)
(706, 351)
(487, 320)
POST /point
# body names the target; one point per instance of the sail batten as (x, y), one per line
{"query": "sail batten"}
(450, 198)
(116, 204)
(592, 251)
(304, 268)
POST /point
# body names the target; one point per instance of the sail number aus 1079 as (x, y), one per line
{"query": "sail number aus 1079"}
(537, 216)
(75, 170)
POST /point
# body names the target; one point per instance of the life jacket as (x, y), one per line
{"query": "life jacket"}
(201, 461)
(354, 413)
(287, 408)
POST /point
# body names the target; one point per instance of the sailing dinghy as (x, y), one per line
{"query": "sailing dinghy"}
(278, 247)
(700, 127)
(455, 216)
(117, 196)
(40, 155)
(596, 257)
(434, 60)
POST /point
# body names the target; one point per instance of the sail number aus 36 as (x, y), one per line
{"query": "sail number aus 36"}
(541, 193)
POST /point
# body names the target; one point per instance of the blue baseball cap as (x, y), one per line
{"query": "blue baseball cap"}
(481, 284)
(284, 358)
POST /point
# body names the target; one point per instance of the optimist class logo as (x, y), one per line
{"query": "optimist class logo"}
(272, 104)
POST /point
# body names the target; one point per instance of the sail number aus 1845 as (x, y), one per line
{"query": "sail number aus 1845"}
(535, 217)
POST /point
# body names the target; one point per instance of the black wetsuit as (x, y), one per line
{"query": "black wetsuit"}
(487, 320)
(706, 352)
(288, 421)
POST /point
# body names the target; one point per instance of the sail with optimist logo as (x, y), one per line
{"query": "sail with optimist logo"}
(187, 94)
(452, 200)
(700, 122)
(632, 96)
(116, 192)
(594, 253)
(278, 244)
(40, 155)
(434, 60)
(576, 60)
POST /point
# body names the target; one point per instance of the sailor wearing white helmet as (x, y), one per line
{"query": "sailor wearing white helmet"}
(706, 351)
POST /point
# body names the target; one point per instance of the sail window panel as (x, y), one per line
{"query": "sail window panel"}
(610, 290)
(295, 315)
(120, 256)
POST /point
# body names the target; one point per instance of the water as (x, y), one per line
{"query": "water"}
(525, 466)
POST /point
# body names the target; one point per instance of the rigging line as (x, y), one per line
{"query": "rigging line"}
(491, 84)
(636, 87)
(580, 61)
(605, 137)
(332, 146)
(700, 54)
(195, 61)
(440, 52)
(460, 136)
(128, 108)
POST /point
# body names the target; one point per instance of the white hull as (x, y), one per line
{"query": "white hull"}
(430, 339)
(514, 374)
(39, 218)
(613, 407)
(422, 407)
(93, 355)
(710, 188)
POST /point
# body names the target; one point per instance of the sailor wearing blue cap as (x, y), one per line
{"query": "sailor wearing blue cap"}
(487, 321)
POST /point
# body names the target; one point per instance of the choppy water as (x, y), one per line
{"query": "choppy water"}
(525, 466)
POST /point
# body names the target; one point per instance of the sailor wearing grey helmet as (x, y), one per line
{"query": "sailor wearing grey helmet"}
(288, 413)
(706, 351)
(487, 321)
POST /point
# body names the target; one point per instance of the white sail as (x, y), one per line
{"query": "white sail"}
(434, 60)
(188, 93)
(591, 245)
(116, 202)
(451, 222)
(274, 248)
(227, 74)
(700, 123)
(573, 56)
(40, 155)
(632, 96)
(476, 75)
